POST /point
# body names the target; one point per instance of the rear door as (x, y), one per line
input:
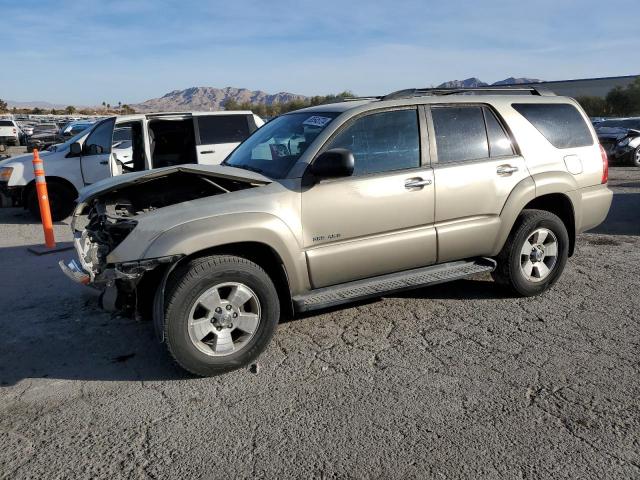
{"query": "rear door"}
(476, 167)
(218, 135)
(96, 152)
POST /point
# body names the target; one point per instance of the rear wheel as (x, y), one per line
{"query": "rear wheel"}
(221, 312)
(61, 201)
(534, 255)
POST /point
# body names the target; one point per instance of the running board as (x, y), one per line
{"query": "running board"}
(393, 282)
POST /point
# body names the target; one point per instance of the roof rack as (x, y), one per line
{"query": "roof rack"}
(420, 92)
(355, 99)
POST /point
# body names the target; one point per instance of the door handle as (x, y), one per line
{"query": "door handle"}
(506, 170)
(208, 151)
(416, 183)
(104, 162)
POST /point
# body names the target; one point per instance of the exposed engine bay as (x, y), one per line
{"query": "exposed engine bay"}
(108, 219)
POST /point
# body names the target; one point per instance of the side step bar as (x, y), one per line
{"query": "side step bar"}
(390, 283)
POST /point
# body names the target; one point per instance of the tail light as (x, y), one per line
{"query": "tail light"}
(605, 165)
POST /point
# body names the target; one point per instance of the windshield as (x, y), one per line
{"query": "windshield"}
(628, 123)
(274, 148)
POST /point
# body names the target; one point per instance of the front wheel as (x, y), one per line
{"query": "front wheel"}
(534, 255)
(635, 157)
(221, 312)
(61, 201)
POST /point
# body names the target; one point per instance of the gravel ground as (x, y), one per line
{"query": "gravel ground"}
(453, 381)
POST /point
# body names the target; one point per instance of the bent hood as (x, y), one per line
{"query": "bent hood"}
(213, 171)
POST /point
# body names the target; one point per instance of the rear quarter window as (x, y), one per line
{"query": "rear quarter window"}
(223, 129)
(560, 123)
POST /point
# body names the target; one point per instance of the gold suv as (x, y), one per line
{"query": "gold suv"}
(341, 202)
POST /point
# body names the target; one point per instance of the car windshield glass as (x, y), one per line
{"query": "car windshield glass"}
(274, 148)
(628, 123)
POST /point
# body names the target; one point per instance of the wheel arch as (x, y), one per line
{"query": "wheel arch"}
(554, 192)
(50, 180)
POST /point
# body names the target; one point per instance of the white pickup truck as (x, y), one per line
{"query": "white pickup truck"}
(123, 144)
(9, 132)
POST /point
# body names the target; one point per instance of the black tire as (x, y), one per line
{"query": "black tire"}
(509, 272)
(188, 283)
(635, 157)
(61, 201)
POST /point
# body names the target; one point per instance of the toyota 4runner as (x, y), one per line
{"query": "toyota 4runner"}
(343, 202)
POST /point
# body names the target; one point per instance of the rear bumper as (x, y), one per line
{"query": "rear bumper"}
(9, 140)
(595, 202)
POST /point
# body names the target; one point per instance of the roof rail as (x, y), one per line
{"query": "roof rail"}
(420, 92)
(355, 99)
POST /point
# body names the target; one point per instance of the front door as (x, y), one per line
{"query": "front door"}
(96, 153)
(477, 168)
(379, 220)
(219, 135)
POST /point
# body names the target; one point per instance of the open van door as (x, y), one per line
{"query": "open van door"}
(95, 161)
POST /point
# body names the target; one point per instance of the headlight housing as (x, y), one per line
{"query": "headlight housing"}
(5, 174)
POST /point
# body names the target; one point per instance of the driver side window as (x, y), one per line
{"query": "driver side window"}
(99, 141)
(382, 142)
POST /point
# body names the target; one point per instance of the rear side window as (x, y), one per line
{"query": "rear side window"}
(6, 123)
(460, 134)
(223, 129)
(499, 142)
(560, 123)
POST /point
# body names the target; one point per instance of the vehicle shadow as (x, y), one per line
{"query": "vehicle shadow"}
(20, 216)
(53, 328)
(623, 217)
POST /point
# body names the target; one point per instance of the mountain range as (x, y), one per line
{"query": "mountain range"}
(210, 98)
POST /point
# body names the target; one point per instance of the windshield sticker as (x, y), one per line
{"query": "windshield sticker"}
(317, 121)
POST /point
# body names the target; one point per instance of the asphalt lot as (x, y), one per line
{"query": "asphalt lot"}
(454, 381)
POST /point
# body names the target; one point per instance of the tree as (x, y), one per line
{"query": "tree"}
(3, 106)
(594, 106)
(104, 104)
(126, 109)
(70, 110)
(108, 106)
(37, 111)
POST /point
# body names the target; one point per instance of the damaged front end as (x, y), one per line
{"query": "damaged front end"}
(103, 220)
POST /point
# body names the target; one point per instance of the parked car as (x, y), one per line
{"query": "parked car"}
(157, 140)
(26, 129)
(342, 202)
(43, 136)
(9, 132)
(73, 128)
(620, 138)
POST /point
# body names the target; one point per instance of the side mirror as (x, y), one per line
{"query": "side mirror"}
(75, 148)
(334, 163)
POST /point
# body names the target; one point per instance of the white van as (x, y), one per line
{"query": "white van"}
(123, 144)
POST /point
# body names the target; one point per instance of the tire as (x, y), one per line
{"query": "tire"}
(635, 157)
(190, 313)
(544, 268)
(61, 201)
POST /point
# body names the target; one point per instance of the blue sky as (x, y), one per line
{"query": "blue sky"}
(86, 52)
